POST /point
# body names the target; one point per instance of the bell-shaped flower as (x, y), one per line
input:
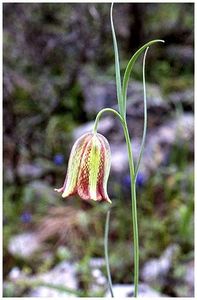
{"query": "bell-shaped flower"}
(88, 168)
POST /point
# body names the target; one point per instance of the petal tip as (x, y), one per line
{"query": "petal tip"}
(65, 194)
(58, 190)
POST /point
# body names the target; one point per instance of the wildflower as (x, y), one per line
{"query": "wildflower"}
(140, 181)
(26, 217)
(126, 181)
(58, 159)
(88, 168)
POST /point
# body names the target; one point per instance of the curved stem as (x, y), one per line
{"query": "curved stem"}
(106, 252)
(108, 213)
(133, 199)
(103, 111)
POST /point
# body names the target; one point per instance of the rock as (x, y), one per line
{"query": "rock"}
(29, 171)
(25, 172)
(97, 93)
(127, 290)
(135, 101)
(189, 276)
(63, 274)
(24, 245)
(184, 98)
(99, 281)
(156, 270)
(185, 286)
(183, 54)
(97, 262)
(98, 276)
(183, 281)
(15, 273)
(100, 93)
(118, 161)
(176, 131)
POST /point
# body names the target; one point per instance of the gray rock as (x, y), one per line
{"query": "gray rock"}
(15, 273)
(25, 172)
(127, 290)
(119, 160)
(97, 92)
(155, 270)
(24, 245)
(184, 98)
(189, 276)
(63, 274)
(183, 54)
(97, 262)
(135, 101)
(100, 93)
(98, 279)
(179, 130)
(29, 171)
(189, 279)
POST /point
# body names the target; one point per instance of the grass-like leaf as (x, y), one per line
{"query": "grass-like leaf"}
(129, 69)
(117, 65)
(145, 117)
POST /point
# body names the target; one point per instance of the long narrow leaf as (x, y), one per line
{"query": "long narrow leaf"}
(130, 67)
(117, 66)
(145, 117)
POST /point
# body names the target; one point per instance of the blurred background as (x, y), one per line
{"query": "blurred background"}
(58, 73)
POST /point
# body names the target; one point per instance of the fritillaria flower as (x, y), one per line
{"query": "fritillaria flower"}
(88, 168)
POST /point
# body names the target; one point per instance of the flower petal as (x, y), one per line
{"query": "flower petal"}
(104, 167)
(70, 183)
(88, 168)
(94, 167)
(83, 178)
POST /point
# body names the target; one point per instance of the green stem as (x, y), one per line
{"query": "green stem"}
(135, 238)
(103, 111)
(108, 213)
(106, 252)
(133, 199)
(133, 209)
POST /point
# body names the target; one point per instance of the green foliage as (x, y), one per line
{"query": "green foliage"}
(11, 211)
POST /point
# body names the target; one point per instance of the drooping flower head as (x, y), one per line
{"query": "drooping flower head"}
(88, 168)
